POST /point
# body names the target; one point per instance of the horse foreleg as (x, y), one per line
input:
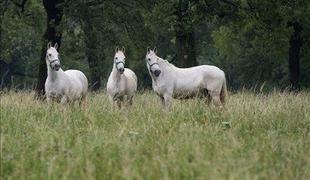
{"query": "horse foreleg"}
(162, 100)
(111, 99)
(48, 99)
(167, 101)
(129, 100)
(119, 103)
(64, 99)
(118, 100)
(50, 103)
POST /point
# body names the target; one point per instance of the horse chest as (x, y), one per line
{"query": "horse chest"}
(118, 87)
(161, 88)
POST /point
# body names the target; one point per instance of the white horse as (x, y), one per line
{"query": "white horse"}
(122, 81)
(169, 81)
(63, 86)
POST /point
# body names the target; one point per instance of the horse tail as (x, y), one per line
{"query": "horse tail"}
(223, 94)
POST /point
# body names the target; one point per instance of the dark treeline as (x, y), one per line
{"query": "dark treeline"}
(256, 42)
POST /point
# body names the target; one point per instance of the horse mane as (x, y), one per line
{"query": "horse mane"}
(164, 62)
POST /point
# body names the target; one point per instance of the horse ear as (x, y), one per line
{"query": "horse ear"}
(49, 45)
(123, 49)
(155, 50)
(56, 46)
(116, 49)
(148, 50)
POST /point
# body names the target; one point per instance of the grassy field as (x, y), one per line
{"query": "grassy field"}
(267, 138)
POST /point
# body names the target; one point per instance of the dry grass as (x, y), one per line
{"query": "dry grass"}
(257, 136)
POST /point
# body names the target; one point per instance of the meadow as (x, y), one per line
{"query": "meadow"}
(256, 136)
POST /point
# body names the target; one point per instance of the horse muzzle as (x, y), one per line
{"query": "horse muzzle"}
(120, 66)
(156, 72)
(121, 70)
(55, 65)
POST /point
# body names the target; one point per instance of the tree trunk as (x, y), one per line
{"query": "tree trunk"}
(185, 45)
(3, 8)
(92, 56)
(94, 66)
(294, 55)
(5, 75)
(52, 34)
(185, 37)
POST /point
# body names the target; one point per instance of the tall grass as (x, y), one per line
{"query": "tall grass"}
(257, 136)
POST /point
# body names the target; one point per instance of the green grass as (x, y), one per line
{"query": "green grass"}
(268, 138)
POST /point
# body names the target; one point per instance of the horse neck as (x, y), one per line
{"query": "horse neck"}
(54, 75)
(116, 75)
(165, 66)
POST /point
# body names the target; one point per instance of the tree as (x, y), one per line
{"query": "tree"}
(3, 7)
(263, 43)
(292, 17)
(185, 35)
(181, 18)
(254, 41)
(86, 13)
(178, 20)
(295, 42)
(20, 22)
(107, 24)
(54, 11)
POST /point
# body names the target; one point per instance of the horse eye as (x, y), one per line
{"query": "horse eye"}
(49, 55)
(149, 59)
(116, 58)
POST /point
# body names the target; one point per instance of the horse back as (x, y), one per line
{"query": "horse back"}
(190, 81)
(129, 73)
(78, 77)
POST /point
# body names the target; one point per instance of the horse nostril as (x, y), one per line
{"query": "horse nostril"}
(121, 70)
(57, 66)
(157, 73)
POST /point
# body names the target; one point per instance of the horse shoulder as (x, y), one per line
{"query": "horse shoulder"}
(47, 84)
(56, 85)
(110, 87)
(55, 89)
(114, 86)
(163, 85)
(111, 82)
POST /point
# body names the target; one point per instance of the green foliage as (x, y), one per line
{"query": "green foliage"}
(249, 40)
(268, 138)
(108, 24)
(19, 48)
(251, 55)
(253, 49)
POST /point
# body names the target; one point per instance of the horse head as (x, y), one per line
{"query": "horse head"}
(151, 61)
(52, 56)
(119, 59)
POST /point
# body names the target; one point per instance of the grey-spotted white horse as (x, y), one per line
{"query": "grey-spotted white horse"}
(169, 81)
(63, 86)
(122, 81)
